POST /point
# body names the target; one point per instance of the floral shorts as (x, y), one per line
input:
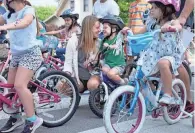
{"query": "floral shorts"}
(31, 60)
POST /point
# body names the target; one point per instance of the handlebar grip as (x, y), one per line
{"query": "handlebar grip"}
(171, 29)
(3, 32)
(129, 33)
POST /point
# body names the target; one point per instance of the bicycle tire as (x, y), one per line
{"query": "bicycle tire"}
(75, 102)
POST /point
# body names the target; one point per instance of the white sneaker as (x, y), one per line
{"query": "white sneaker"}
(126, 81)
(167, 99)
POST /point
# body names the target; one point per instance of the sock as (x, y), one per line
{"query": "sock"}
(122, 82)
(32, 118)
(16, 116)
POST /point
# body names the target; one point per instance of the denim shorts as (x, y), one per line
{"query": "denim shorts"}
(120, 69)
(30, 60)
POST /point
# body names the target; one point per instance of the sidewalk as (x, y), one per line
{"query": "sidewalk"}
(157, 126)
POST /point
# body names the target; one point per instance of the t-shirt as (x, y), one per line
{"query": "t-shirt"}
(2, 10)
(111, 58)
(136, 11)
(22, 40)
(110, 7)
(83, 71)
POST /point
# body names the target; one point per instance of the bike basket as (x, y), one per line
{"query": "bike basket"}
(138, 43)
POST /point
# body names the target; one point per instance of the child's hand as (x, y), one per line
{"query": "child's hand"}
(60, 45)
(42, 34)
(106, 45)
(173, 27)
(86, 63)
(113, 46)
(125, 29)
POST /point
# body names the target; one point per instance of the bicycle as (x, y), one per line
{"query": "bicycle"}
(51, 103)
(99, 96)
(129, 100)
(49, 63)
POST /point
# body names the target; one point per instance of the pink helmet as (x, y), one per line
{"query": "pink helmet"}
(175, 3)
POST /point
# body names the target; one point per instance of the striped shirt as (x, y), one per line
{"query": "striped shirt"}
(136, 11)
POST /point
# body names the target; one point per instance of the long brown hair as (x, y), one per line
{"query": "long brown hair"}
(167, 10)
(87, 41)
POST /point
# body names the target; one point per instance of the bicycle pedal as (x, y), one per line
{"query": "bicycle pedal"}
(163, 104)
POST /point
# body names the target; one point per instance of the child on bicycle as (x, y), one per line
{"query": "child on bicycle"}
(166, 50)
(20, 21)
(71, 26)
(114, 59)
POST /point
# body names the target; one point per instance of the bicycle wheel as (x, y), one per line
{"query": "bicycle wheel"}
(5, 73)
(172, 113)
(193, 121)
(56, 114)
(122, 121)
(96, 103)
(3, 91)
(40, 71)
(188, 70)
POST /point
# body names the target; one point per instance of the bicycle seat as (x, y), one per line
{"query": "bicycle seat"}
(44, 50)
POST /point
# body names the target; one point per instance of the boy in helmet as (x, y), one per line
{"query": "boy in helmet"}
(71, 26)
(114, 60)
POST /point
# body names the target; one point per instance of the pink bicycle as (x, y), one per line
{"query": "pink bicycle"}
(51, 103)
(49, 63)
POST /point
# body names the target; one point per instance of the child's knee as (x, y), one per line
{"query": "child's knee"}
(111, 74)
(105, 69)
(164, 64)
(93, 84)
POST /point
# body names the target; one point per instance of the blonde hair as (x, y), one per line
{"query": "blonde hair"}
(87, 40)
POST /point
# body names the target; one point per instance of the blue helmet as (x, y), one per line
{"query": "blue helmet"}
(113, 20)
(69, 14)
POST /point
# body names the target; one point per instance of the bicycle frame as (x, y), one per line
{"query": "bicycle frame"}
(139, 79)
(107, 82)
(51, 60)
(4, 64)
(42, 90)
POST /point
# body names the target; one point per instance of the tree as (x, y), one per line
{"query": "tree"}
(124, 9)
(43, 12)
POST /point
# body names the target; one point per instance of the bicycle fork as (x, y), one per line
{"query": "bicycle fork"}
(103, 93)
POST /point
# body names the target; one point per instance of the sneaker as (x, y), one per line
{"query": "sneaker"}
(167, 99)
(30, 127)
(11, 124)
(189, 108)
(126, 81)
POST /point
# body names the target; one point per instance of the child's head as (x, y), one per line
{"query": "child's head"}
(1, 1)
(90, 33)
(14, 3)
(11, 5)
(70, 18)
(164, 9)
(112, 25)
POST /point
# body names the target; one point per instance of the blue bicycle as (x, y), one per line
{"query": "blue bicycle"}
(131, 102)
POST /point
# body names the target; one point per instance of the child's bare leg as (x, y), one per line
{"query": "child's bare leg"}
(113, 74)
(166, 76)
